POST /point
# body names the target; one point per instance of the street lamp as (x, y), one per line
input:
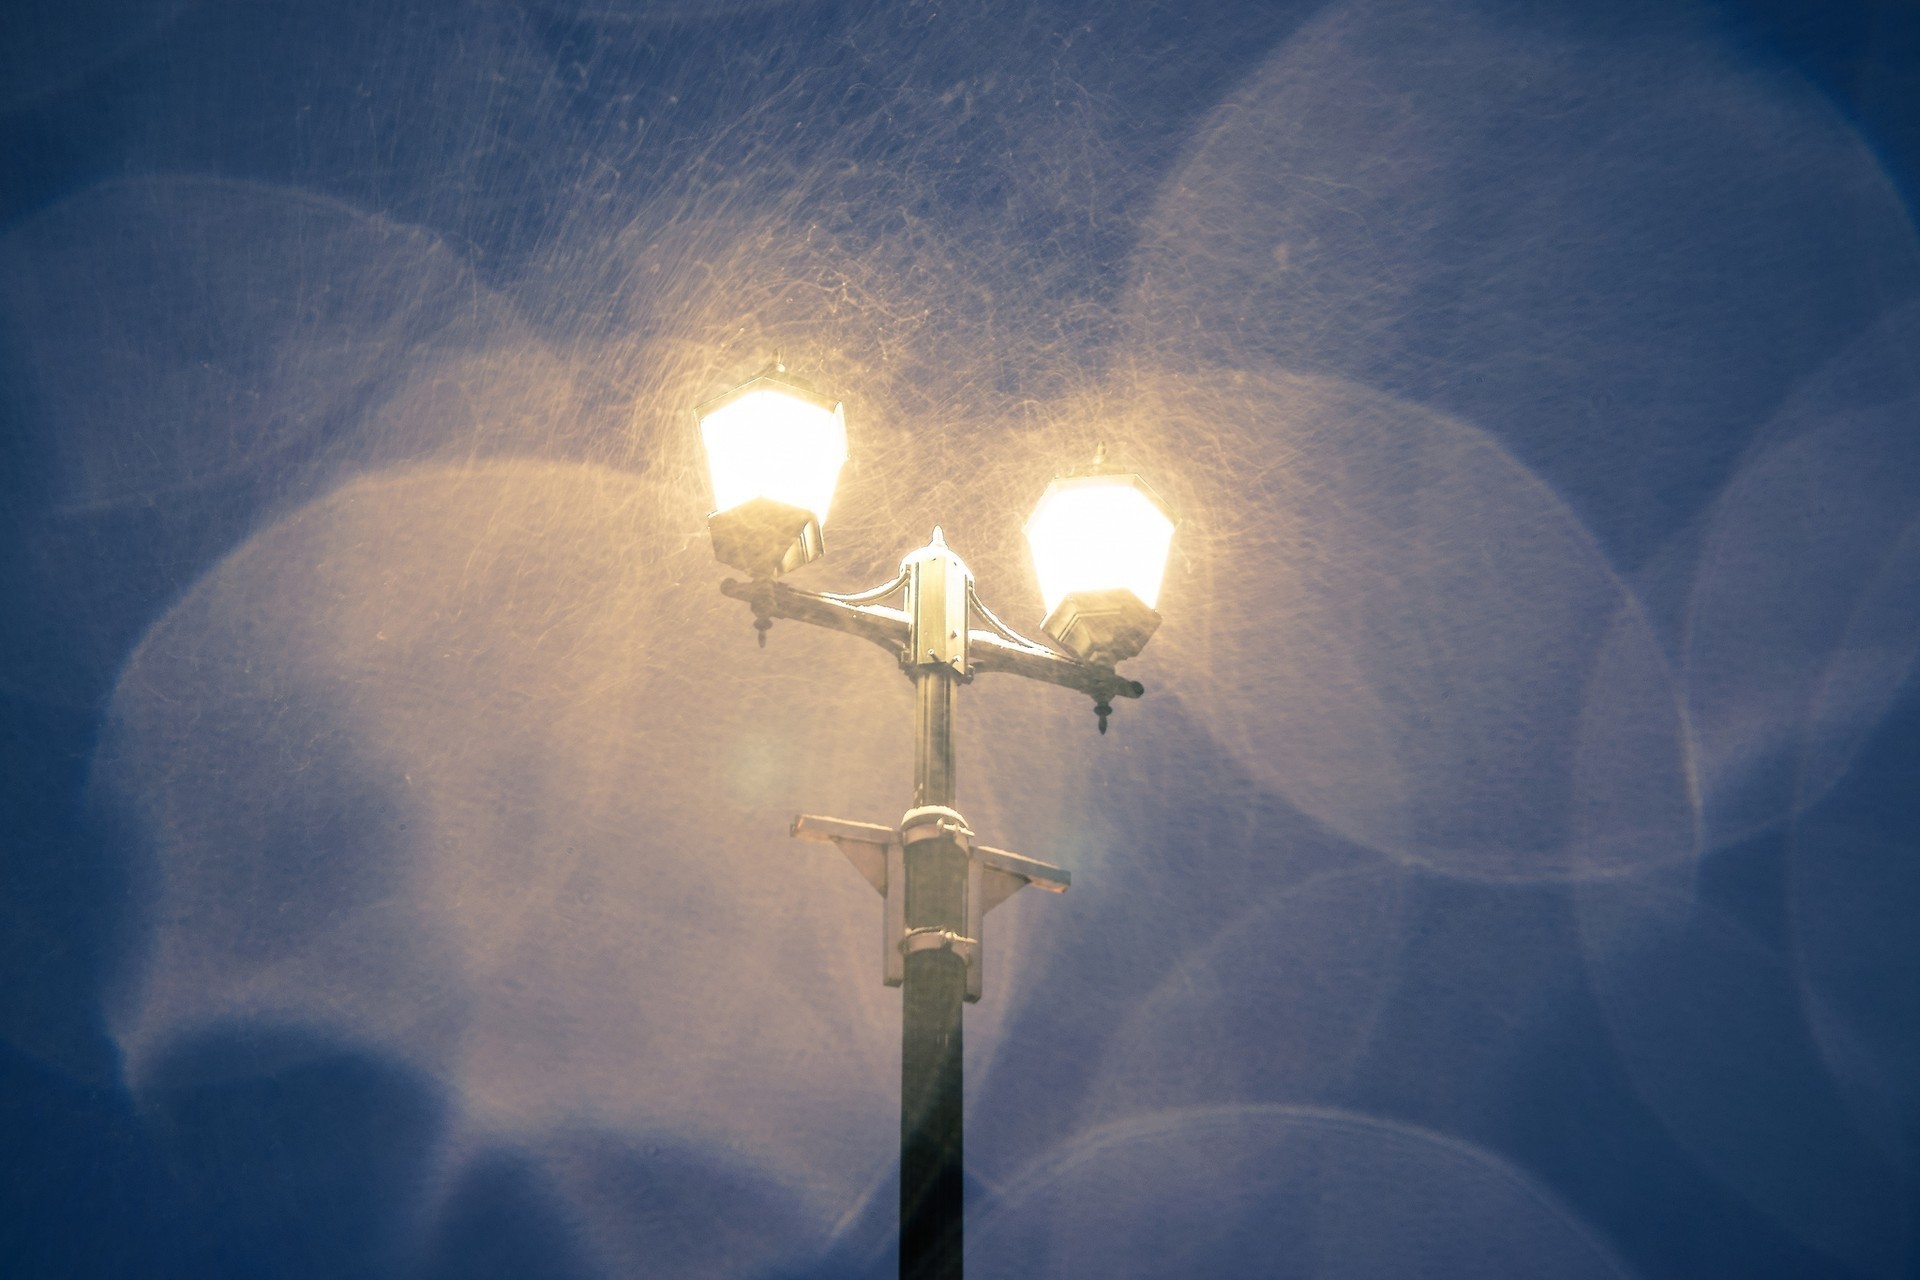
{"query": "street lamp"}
(775, 448)
(1100, 538)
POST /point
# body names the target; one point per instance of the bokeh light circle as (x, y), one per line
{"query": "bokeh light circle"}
(1257, 1190)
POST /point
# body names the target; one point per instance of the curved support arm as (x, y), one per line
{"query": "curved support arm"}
(885, 627)
(1005, 632)
(1001, 648)
(872, 596)
(991, 652)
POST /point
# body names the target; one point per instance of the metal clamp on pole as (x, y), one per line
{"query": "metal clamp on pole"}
(935, 939)
(879, 854)
(933, 822)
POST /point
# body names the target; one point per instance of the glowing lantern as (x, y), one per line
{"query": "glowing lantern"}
(1100, 544)
(774, 449)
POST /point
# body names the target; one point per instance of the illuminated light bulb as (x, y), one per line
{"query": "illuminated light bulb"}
(1099, 533)
(1100, 545)
(774, 451)
(775, 440)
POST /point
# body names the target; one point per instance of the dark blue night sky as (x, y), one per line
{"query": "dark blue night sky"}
(1512, 870)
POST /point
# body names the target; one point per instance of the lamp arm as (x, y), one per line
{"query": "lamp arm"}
(988, 651)
(1001, 648)
(885, 627)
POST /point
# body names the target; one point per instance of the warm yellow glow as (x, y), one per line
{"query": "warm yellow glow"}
(771, 442)
(1098, 533)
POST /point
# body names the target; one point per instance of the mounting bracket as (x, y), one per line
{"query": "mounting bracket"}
(880, 855)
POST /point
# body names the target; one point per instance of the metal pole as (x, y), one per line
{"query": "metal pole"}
(931, 1189)
(933, 697)
(931, 1193)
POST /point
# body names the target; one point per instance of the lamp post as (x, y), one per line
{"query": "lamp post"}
(1100, 539)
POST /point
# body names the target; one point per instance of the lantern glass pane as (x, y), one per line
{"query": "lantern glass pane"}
(1099, 533)
(769, 443)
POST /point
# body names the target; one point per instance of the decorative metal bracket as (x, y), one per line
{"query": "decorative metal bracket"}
(879, 854)
(996, 647)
